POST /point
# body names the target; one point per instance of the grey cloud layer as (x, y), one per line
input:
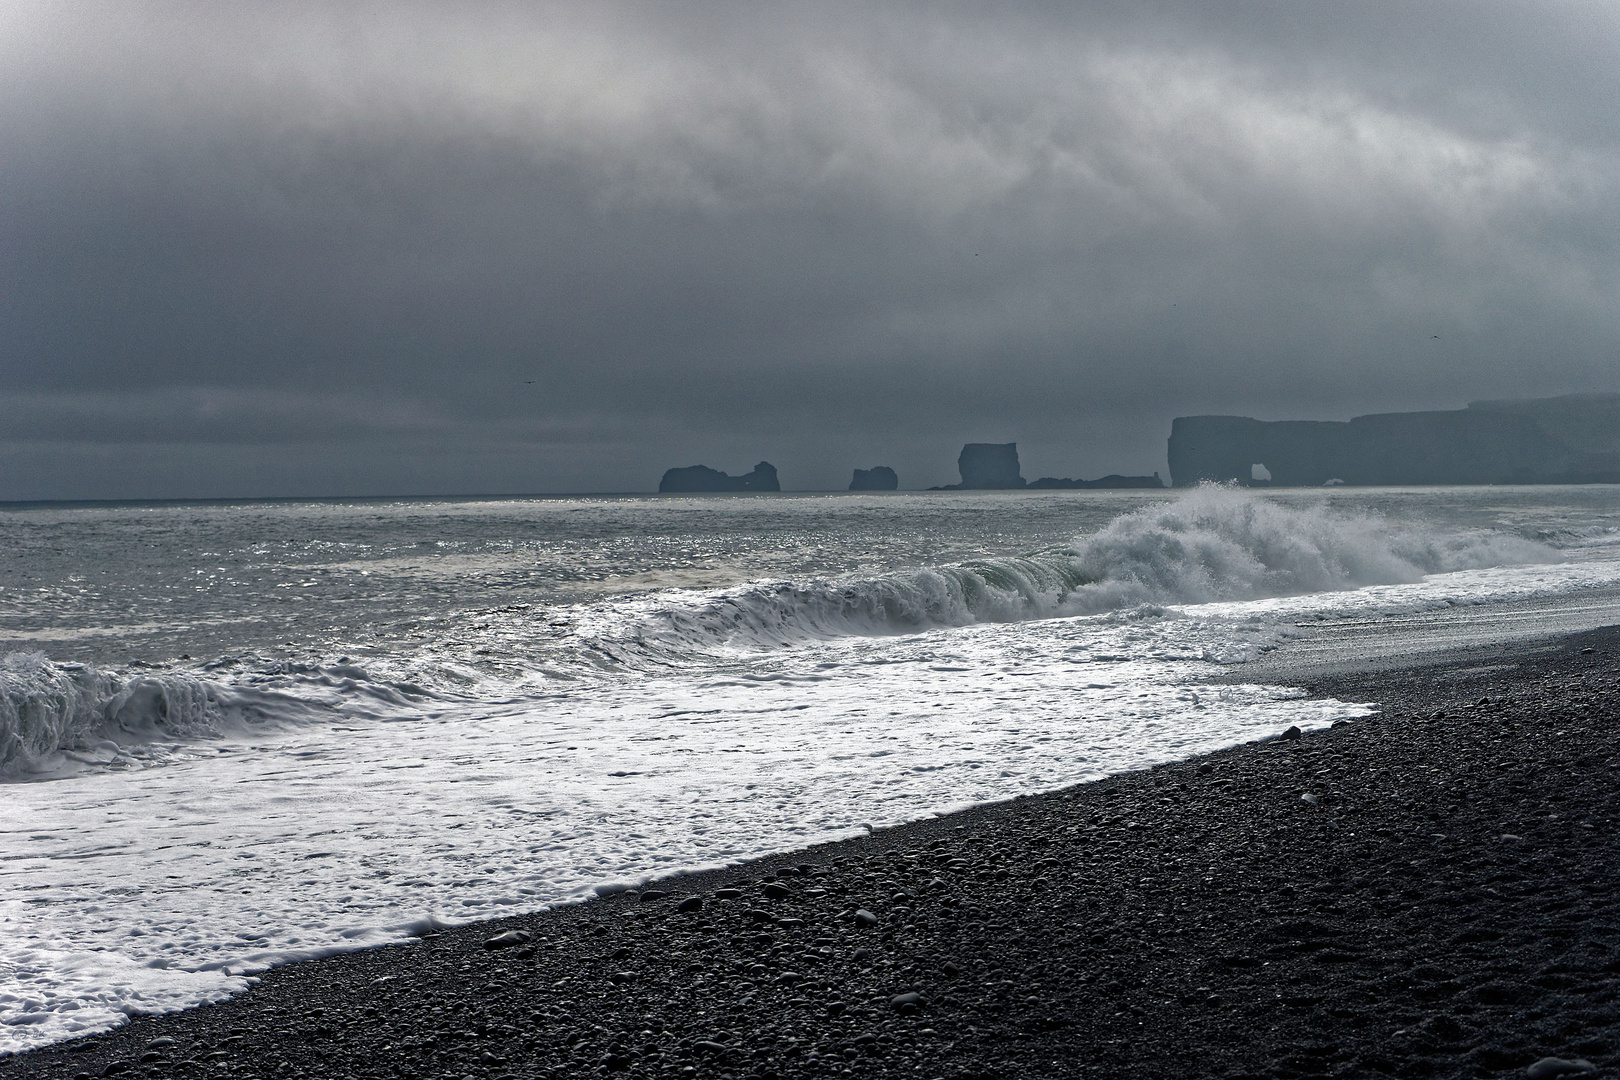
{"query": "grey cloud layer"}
(562, 248)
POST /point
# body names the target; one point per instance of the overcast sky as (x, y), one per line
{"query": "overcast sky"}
(283, 249)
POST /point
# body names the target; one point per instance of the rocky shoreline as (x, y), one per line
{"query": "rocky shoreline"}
(1429, 892)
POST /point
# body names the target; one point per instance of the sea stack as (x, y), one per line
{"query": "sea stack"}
(988, 466)
(702, 478)
(877, 478)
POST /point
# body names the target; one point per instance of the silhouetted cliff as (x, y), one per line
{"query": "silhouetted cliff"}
(1564, 440)
(703, 478)
(877, 478)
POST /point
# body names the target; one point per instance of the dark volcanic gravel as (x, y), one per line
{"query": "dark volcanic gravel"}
(1426, 893)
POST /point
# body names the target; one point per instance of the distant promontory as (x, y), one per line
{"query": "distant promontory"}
(1562, 440)
(702, 478)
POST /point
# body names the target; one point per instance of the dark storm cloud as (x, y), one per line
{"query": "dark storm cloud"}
(307, 249)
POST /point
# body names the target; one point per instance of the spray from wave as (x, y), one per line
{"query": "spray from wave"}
(1220, 544)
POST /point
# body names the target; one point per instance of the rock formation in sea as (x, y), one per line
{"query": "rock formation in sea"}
(987, 467)
(1112, 480)
(703, 478)
(877, 478)
(1563, 440)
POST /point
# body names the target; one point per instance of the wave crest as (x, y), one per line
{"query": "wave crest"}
(1212, 544)
(54, 715)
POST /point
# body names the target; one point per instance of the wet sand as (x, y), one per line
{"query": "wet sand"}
(1429, 892)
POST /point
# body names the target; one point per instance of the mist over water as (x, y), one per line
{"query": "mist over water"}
(515, 702)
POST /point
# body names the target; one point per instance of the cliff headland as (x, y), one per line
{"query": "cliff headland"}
(1563, 440)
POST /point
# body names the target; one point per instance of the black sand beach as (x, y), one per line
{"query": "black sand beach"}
(1430, 892)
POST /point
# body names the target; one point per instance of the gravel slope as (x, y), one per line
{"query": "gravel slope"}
(1442, 904)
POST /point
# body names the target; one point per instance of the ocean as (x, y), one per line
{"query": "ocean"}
(235, 735)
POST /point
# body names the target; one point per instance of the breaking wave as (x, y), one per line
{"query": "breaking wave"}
(56, 718)
(1212, 544)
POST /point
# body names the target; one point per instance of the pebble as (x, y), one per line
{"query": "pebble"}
(652, 894)
(777, 891)
(759, 915)
(1556, 1066)
(727, 894)
(1292, 734)
(865, 918)
(691, 903)
(508, 939)
(1312, 799)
